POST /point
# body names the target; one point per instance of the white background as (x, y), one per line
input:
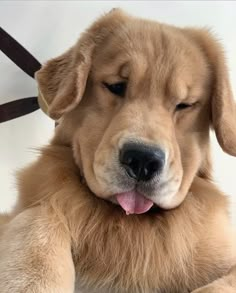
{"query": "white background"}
(47, 28)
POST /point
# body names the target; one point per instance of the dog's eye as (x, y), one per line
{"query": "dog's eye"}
(182, 106)
(117, 89)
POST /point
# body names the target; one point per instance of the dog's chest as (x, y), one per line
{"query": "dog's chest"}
(78, 289)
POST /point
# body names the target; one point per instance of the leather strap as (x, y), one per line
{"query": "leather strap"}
(18, 108)
(18, 54)
(25, 61)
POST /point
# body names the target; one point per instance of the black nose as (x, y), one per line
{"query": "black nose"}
(142, 162)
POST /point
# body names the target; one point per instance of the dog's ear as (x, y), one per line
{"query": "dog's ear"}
(223, 107)
(62, 80)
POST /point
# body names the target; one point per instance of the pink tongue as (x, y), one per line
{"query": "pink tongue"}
(133, 202)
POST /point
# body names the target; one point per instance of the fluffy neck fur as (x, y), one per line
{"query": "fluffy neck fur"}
(138, 253)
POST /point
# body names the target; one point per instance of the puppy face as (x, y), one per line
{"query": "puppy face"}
(136, 100)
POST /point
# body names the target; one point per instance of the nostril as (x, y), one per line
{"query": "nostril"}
(131, 164)
(130, 171)
(154, 165)
(152, 168)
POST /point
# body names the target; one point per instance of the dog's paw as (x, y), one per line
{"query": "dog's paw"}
(214, 289)
(219, 286)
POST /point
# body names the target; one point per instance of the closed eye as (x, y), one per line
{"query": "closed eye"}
(117, 89)
(182, 106)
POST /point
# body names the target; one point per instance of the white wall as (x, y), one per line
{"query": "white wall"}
(48, 28)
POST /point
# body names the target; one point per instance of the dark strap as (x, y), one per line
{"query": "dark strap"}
(18, 108)
(18, 54)
(22, 58)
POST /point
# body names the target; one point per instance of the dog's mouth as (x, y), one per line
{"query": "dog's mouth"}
(133, 202)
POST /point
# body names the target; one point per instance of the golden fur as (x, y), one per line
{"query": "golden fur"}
(65, 229)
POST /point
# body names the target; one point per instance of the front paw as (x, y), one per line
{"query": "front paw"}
(216, 287)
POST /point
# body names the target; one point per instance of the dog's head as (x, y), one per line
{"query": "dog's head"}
(136, 100)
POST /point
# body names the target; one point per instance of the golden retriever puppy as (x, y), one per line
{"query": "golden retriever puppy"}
(122, 198)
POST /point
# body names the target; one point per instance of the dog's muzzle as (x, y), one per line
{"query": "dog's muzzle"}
(142, 163)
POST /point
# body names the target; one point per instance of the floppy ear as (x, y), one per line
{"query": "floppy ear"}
(222, 102)
(62, 80)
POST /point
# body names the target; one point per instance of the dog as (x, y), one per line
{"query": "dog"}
(122, 199)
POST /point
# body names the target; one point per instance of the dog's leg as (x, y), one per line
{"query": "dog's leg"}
(225, 284)
(35, 255)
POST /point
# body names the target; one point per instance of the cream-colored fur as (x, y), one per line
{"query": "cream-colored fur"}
(65, 233)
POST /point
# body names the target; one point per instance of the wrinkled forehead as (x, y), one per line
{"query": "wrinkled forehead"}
(144, 50)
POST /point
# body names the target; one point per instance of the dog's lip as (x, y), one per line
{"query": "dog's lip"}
(133, 202)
